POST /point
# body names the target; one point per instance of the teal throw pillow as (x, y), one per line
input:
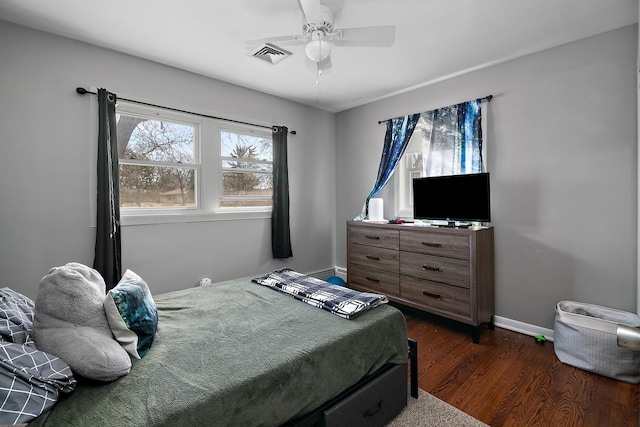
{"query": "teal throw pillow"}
(132, 314)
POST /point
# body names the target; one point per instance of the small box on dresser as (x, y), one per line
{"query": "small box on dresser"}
(445, 271)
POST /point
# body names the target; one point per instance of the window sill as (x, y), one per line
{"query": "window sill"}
(174, 218)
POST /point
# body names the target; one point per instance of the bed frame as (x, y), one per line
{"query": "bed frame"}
(373, 401)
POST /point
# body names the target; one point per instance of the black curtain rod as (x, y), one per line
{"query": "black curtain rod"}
(487, 98)
(83, 91)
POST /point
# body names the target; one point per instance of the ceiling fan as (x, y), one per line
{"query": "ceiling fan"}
(319, 35)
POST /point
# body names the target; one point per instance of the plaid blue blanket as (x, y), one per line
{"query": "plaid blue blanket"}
(343, 302)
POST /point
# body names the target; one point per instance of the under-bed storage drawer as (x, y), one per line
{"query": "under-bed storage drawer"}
(375, 404)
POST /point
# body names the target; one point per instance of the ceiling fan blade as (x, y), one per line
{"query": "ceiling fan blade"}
(376, 36)
(311, 10)
(280, 39)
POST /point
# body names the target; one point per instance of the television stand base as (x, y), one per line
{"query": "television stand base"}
(454, 224)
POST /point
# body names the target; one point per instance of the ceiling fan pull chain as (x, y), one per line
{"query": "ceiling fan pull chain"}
(319, 72)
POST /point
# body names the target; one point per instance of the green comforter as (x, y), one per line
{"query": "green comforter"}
(237, 354)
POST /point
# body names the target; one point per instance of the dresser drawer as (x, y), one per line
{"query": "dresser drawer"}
(374, 257)
(450, 271)
(370, 279)
(373, 236)
(439, 244)
(445, 298)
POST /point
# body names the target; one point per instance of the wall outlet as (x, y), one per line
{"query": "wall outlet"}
(204, 282)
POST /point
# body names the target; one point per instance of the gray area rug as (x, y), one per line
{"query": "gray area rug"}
(427, 411)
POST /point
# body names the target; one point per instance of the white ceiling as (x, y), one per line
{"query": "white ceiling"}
(435, 39)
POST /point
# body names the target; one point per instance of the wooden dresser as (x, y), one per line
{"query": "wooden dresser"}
(445, 271)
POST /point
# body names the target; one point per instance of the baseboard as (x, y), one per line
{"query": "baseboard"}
(523, 328)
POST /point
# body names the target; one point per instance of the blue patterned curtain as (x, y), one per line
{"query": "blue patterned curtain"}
(452, 140)
(396, 139)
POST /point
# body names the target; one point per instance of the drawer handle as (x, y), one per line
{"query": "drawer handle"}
(372, 411)
(429, 268)
(432, 245)
(371, 279)
(373, 237)
(375, 258)
(429, 294)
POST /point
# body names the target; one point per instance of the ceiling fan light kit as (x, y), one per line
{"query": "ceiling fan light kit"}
(318, 33)
(318, 49)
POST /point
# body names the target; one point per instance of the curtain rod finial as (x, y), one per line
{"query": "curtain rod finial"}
(82, 91)
(293, 132)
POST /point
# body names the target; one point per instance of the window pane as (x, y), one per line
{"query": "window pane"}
(156, 187)
(155, 140)
(238, 145)
(242, 154)
(247, 184)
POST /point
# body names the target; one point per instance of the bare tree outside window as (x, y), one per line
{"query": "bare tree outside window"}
(156, 163)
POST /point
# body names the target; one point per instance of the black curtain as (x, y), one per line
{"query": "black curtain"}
(107, 259)
(280, 231)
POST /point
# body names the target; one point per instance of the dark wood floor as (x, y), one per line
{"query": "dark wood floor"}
(510, 380)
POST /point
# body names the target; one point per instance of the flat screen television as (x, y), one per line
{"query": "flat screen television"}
(464, 198)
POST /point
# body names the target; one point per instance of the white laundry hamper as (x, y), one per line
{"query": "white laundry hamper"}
(585, 336)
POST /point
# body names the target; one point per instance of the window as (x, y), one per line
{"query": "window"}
(182, 167)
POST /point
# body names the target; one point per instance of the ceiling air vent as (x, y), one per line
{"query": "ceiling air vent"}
(270, 53)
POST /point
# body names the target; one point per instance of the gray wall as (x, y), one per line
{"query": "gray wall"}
(563, 160)
(45, 140)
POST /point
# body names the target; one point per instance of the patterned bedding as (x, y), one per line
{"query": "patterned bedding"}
(338, 300)
(30, 379)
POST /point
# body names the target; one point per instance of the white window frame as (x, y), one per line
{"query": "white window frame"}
(208, 165)
(134, 110)
(403, 180)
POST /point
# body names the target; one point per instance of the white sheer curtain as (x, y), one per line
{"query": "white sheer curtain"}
(452, 140)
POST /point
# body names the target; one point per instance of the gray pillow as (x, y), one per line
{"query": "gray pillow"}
(70, 323)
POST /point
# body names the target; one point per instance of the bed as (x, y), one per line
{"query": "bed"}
(241, 354)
